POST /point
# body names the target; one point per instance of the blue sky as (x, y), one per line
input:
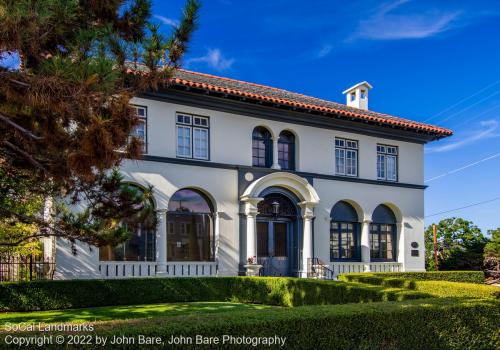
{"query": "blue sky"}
(434, 61)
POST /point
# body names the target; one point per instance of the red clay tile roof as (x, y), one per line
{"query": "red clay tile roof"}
(269, 94)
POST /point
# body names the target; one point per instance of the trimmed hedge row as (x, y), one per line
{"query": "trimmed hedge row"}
(50, 295)
(428, 324)
(435, 288)
(378, 280)
(450, 276)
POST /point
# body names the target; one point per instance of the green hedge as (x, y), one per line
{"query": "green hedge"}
(435, 288)
(426, 324)
(369, 278)
(50, 295)
(450, 276)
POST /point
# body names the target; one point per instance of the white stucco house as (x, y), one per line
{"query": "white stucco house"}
(309, 187)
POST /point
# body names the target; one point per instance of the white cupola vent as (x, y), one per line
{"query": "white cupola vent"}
(357, 95)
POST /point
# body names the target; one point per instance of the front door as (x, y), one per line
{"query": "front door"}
(273, 246)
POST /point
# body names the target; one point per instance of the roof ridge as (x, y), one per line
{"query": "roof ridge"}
(250, 83)
(349, 108)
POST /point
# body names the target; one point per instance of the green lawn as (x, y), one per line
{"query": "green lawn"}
(110, 313)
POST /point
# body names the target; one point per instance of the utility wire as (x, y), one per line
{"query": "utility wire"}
(464, 207)
(476, 116)
(463, 167)
(463, 100)
(469, 107)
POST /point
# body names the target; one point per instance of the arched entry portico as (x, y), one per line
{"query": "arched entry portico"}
(307, 199)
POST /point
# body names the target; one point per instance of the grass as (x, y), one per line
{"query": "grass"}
(446, 315)
(110, 313)
(436, 323)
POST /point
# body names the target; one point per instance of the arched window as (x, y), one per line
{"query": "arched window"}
(190, 234)
(262, 147)
(344, 232)
(142, 244)
(286, 150)
(383, 234)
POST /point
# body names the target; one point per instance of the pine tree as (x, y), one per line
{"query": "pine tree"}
(65, 114)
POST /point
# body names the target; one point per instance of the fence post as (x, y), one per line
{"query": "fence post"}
(31, 267)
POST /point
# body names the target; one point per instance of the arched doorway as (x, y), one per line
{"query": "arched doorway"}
(303, 195)
(277, 232)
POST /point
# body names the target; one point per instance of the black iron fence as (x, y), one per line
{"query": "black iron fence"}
(14, 268)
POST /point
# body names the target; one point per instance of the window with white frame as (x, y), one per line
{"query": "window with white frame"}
(387, 163)
(346, 157)
(140, 131)
(192, 136)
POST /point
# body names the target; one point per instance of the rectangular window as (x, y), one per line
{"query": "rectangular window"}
(387, 163)
(193, 136)
(141, 129)
(346, 157)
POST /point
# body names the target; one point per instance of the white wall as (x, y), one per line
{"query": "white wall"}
(221, 185)
(231, 142)
(408, 205)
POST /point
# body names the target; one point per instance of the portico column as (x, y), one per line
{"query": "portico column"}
(276, 164)
(251, 212)
(365, 244)
(307, 239)
(217, 225)
(400, 249)
(161, 243)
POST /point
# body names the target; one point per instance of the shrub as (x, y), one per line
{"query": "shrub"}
(445, 289)
(49, 295)
(378, 280)
(427, 324)
(451, 276)
(439, 288)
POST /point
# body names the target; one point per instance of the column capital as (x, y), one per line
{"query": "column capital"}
(367, 221)
(307, 209)
(251, 205)
(160, 211)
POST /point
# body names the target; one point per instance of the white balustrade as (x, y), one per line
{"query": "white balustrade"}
(128, 269)
(351, 267)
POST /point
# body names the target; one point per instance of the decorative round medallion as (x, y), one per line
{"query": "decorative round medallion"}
(249, 176)
(414, 245)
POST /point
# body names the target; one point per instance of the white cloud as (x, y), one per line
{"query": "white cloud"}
(167, 21)
(488, 130)
(324, 51)
(214, 59)
(384, 24)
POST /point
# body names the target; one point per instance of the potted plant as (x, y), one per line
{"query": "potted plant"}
(252, 268)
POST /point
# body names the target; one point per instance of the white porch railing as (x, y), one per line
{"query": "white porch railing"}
(350, 267)
(192, 269)
(127, 269)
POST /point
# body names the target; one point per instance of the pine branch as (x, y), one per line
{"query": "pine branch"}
(18, 127)
(32, 160)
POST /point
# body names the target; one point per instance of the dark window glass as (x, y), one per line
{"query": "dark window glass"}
(262, 239)
(261, 147)
(277, 201)
(286, 151)
(140, 247)
(344, 240)
(344, 231)
(280, 240)
(190, 235)
(382, 242)
(190, 201)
